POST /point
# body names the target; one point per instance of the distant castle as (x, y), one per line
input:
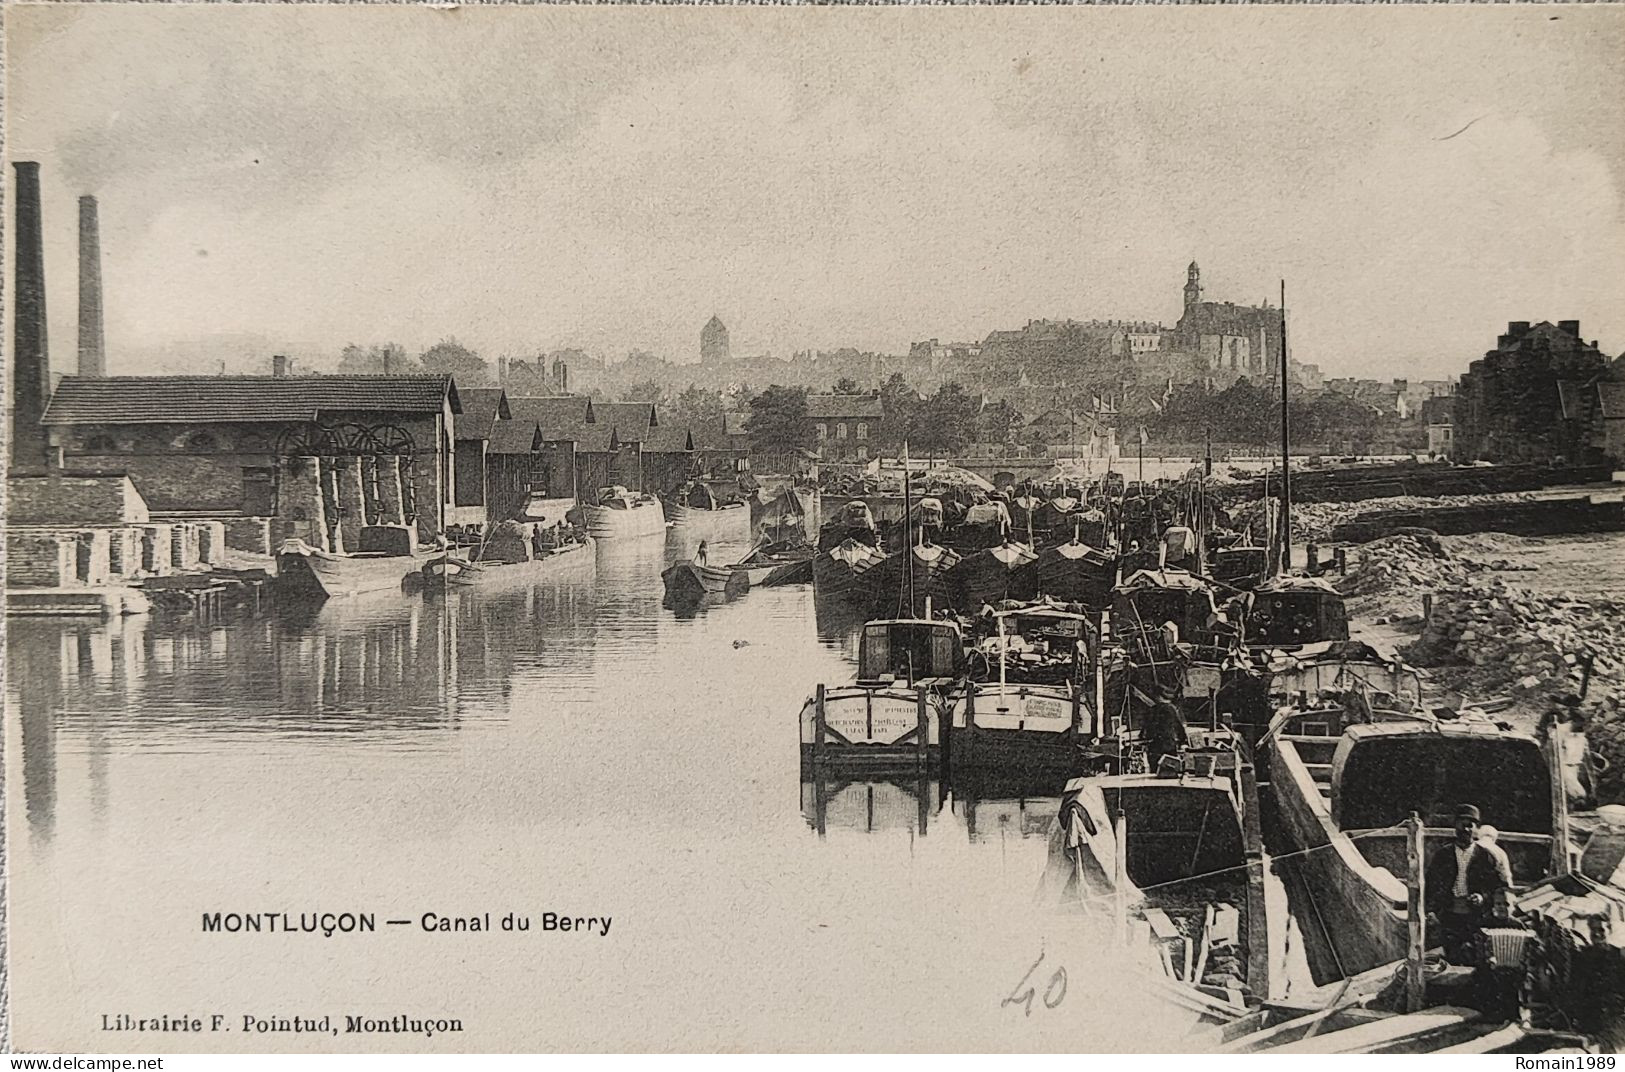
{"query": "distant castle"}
(1231, 340)
(714, 341)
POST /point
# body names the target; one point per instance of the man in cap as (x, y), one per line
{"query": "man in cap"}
(1460, 883)
(1164, 729)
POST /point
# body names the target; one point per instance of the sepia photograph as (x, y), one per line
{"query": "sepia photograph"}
(814, 529)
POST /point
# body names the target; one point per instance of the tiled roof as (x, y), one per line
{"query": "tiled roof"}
(720, 433)
(563, 418)
(200, 399)
(674, 439)
(631, 419)
(824, 407)
(483, 407)
(514, 437)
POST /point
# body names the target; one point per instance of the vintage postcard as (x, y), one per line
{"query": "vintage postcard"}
(863, 528)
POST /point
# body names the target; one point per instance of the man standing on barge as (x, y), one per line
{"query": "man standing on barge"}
(1461, 882)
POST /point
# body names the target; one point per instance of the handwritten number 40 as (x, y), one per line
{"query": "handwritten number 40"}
(1054, 993)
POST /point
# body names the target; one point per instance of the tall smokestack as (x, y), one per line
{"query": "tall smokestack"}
(30, 355)
(92, 348)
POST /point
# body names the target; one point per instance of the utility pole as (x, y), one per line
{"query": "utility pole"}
(1286, 457)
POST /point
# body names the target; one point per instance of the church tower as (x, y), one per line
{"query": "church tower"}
(1193, 285)
(714, 342)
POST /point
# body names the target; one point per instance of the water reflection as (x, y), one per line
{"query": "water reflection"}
(984, 810)
(565, 742)
(870, 806)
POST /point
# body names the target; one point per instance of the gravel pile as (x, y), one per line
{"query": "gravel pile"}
(1315, 521)
(1402, 565)
(1520, 642)
(1488, 638)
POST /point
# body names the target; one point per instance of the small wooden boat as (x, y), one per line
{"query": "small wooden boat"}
(1345, 775)
(1028, 703)
(303, 569)
(789, 573)
(890, 717)
(1175, 859)
(839, 572)
(689, 582)
(987, 576)
(768, 565)
(475, 570)
(620, 514)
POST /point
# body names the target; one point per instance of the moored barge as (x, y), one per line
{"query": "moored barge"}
(890, 716)
(1344, 787)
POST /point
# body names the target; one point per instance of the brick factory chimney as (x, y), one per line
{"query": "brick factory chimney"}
(30, 353)
(280, 366)
(92, 345)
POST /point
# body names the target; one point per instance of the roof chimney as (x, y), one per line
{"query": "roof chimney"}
(92, 346)
(30, 353)
(280, 365)
(1518, 329)
(1570, 326)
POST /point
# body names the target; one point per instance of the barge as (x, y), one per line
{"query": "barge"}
(1345, 777)
(890, 716)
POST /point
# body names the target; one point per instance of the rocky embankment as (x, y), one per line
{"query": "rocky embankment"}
(1487, 637)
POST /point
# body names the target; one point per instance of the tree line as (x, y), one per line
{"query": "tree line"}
(447, 357)
(1247, 412)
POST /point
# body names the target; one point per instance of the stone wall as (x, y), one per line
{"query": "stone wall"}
(66, 499)
(251, 534)
(40, 559)
(212, 482)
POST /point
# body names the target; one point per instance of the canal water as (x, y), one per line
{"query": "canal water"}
(565, 746)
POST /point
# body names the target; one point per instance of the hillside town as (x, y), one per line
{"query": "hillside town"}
(471, 443)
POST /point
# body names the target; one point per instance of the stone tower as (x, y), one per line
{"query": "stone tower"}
(713, 341)
(1193, 285)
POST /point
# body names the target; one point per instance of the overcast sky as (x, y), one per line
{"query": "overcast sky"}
(526, 179)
